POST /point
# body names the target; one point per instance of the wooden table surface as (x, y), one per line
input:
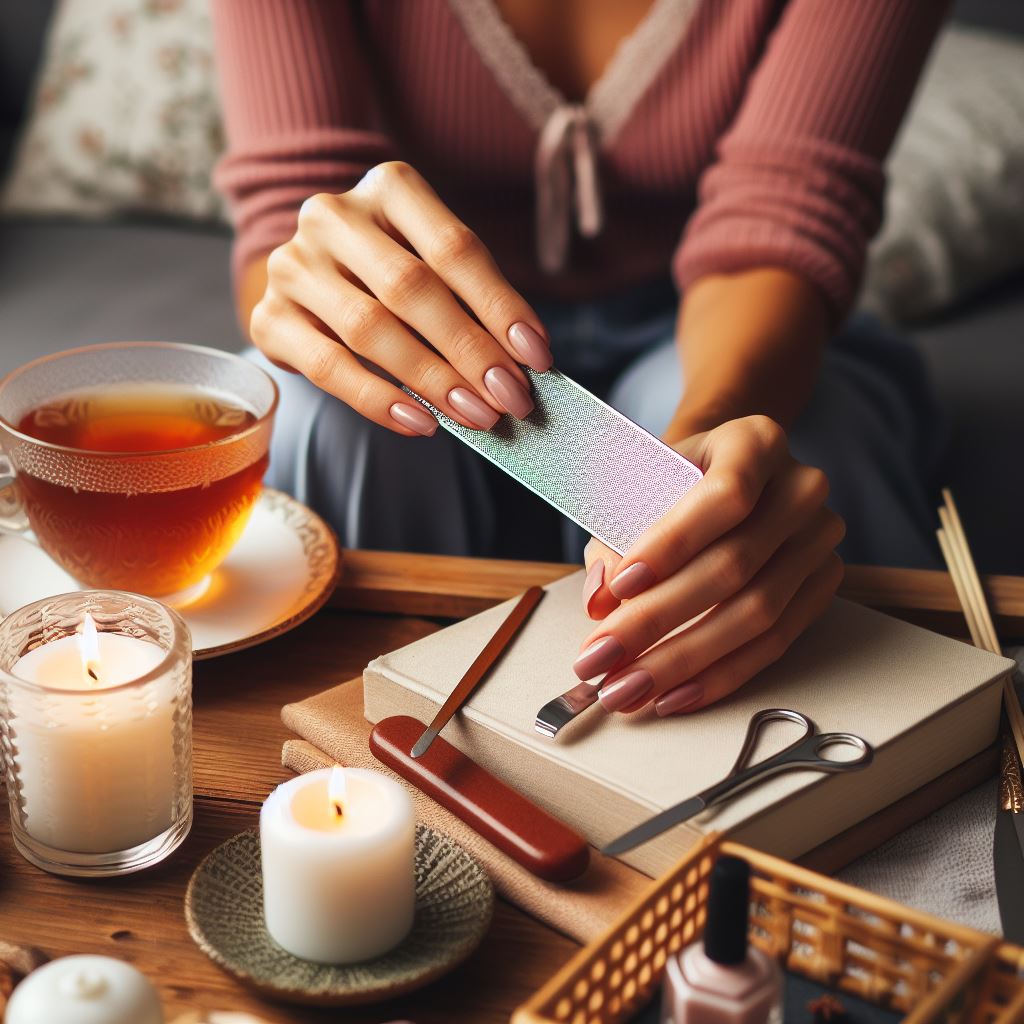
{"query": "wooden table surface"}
(238, 737)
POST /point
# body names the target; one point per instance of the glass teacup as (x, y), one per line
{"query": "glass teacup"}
(135, 464)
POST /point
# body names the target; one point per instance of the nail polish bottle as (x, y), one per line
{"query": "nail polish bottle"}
(722, 979)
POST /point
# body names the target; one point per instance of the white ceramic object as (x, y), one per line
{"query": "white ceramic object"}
(85, 990)
(281, 571)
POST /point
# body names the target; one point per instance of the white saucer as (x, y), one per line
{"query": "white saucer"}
(280, 572)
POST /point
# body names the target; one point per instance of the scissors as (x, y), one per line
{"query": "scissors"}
(804, 753)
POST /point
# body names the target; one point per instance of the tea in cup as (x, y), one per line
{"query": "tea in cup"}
(136, 464)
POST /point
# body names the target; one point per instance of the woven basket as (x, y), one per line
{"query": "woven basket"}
(839, 936)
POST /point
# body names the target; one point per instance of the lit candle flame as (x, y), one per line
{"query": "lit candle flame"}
(337, 786)
(89, 645)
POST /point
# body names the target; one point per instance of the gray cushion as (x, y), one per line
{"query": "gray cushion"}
(66, 283)
(954, 221)
(977, 363)
(22, 29)
(999, 15)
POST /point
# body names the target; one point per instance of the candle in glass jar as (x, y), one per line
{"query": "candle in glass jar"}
(96, 773)
(338, 853)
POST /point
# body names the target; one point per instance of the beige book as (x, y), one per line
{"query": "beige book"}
(926, 703)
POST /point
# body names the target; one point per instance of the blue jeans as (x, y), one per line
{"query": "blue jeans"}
(870, 425)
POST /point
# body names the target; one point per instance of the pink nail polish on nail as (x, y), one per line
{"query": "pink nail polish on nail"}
(601, 656)
(679, 699)
(504, 388)
(414, 418)
(626, 690)
(531, 348)
(632, 581)
(592, 584)
(474, 409)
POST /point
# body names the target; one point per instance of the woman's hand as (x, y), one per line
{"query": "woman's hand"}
(750, 549)
(370, 273)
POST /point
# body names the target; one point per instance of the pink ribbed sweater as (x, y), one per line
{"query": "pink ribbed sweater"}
(724, 135)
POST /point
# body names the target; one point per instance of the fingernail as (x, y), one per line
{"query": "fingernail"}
(599, 657)
(474, 409)
(632, 581)
(414, 417)
(531, 348)
(504, 388)
(592, 584)
(626, 690)
(679, 699)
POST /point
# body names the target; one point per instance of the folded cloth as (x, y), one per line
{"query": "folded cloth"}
(334, 731)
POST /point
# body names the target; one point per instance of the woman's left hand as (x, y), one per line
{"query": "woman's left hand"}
(750, 549)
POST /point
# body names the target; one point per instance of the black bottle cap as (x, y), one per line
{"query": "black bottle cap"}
(725, 933)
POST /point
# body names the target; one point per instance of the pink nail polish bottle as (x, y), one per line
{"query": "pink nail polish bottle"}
(722, 979)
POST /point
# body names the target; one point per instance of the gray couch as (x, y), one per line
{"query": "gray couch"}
(65, 283)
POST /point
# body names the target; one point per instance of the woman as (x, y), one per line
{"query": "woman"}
(433, 192)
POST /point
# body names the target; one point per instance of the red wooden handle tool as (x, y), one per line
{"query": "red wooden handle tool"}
(529, 835)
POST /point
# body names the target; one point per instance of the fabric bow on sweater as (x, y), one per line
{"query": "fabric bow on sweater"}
(567, 184)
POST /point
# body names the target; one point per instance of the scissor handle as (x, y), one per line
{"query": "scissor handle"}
(804, 752)
(757, 723)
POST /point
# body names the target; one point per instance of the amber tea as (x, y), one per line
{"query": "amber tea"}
(152, 514)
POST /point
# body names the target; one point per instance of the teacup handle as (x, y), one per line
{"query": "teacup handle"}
(12, 515)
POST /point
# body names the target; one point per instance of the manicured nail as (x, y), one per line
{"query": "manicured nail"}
(632, 581)
(601, 656)
(504, 388)
(531, 348)
(592, 584)
(626, 690)
(679, 699)
(414, 417)
(474, 409)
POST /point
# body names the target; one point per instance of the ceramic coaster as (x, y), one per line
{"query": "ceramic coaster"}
(283, 568)
(224, 913)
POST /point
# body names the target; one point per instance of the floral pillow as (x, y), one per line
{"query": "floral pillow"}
(125, 116)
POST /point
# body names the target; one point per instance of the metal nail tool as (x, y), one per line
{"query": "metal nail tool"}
(562, 710)
(803, 754)
(504, 635)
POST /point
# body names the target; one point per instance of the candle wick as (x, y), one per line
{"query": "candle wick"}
(338, 811)
(92, 674)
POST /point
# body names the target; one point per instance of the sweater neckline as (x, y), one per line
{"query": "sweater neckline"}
(637, 61)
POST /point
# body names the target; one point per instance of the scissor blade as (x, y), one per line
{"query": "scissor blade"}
(655, 826)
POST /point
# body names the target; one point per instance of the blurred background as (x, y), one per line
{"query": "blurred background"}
(110, 228)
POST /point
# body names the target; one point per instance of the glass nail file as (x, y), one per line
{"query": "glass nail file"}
(580, 455)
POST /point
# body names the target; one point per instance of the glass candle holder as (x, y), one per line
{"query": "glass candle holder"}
(96, 731)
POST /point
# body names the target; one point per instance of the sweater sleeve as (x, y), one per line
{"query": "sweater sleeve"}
(299, 112)
(798, 181)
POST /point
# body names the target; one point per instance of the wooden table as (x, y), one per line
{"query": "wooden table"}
(238, 737)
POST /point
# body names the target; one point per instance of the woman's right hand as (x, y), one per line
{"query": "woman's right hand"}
(371, 272)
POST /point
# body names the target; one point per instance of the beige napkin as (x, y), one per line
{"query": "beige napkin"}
(333, 729)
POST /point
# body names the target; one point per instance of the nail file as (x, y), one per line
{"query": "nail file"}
(580, 455)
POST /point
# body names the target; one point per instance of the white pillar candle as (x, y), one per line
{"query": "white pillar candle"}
(96, 764)
(338, 852)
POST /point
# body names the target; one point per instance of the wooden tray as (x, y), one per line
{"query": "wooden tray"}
(450, 587)
(834, 934)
